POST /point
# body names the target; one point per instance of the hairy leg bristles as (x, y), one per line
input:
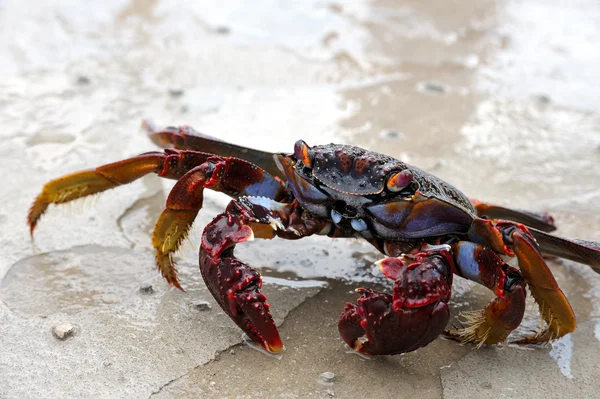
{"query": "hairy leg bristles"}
(473, 320)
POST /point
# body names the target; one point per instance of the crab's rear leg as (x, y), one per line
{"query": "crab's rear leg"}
(505, 312)
(170, 164)
(582, 251)
(232, 176)
(235, 285)
(540, 220)
(186, 138)
(514, 239)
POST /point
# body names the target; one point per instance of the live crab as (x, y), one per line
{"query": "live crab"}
(427, 229)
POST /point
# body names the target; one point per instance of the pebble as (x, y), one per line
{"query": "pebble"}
(543, 99)
(176, 92)
(222, 30)
(432, 87)
(201, 305)
(63, 331)
(83, 80)
(146, 289)
(391, 135)
(327, 378)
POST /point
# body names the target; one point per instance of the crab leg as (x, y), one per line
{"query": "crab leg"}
(169, 164)
(514, 239)
(232, 176)
(505, 312)
(186, 138)
(235, 285)
(539, 220)
(586, 252)
(413, 316)
(194, 171)
(540, 223)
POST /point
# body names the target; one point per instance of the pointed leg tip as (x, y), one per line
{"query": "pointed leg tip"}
(167, 269)
(175, 283)
(38, 208)
(172, 280)
(31, 223)
(148, 126)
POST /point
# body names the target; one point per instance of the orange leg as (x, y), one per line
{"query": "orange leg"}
(514, 239)
(169, 164)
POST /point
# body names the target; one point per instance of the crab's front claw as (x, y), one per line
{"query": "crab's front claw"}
(416, 313)
(235, 285)
(390, 331)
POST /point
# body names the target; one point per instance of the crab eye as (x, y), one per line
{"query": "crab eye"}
(301, 153)
(399, 180)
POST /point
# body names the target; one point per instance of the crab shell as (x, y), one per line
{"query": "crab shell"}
(351, 187)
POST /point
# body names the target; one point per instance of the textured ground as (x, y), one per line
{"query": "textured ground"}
(498, 97)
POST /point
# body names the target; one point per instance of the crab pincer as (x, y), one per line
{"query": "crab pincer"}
(234, 285)
(413, 316)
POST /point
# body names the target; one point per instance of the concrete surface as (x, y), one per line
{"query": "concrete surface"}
(498, 97)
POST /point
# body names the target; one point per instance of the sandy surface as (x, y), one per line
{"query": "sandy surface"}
(499, 98)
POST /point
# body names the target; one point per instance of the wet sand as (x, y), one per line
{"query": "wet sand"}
(498, 98)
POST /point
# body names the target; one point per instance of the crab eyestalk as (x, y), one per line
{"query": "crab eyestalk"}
(413, 316)
(302, 153)
(398, 181)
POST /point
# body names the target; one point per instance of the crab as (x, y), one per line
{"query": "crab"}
(427, 229)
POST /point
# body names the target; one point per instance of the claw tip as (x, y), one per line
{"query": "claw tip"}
(276, 348)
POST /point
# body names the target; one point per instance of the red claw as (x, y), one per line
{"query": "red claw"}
(260, 326)
(416, 313)
(390, 331)
(235, 285)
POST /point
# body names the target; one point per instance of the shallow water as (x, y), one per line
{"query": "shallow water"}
(498, 98)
